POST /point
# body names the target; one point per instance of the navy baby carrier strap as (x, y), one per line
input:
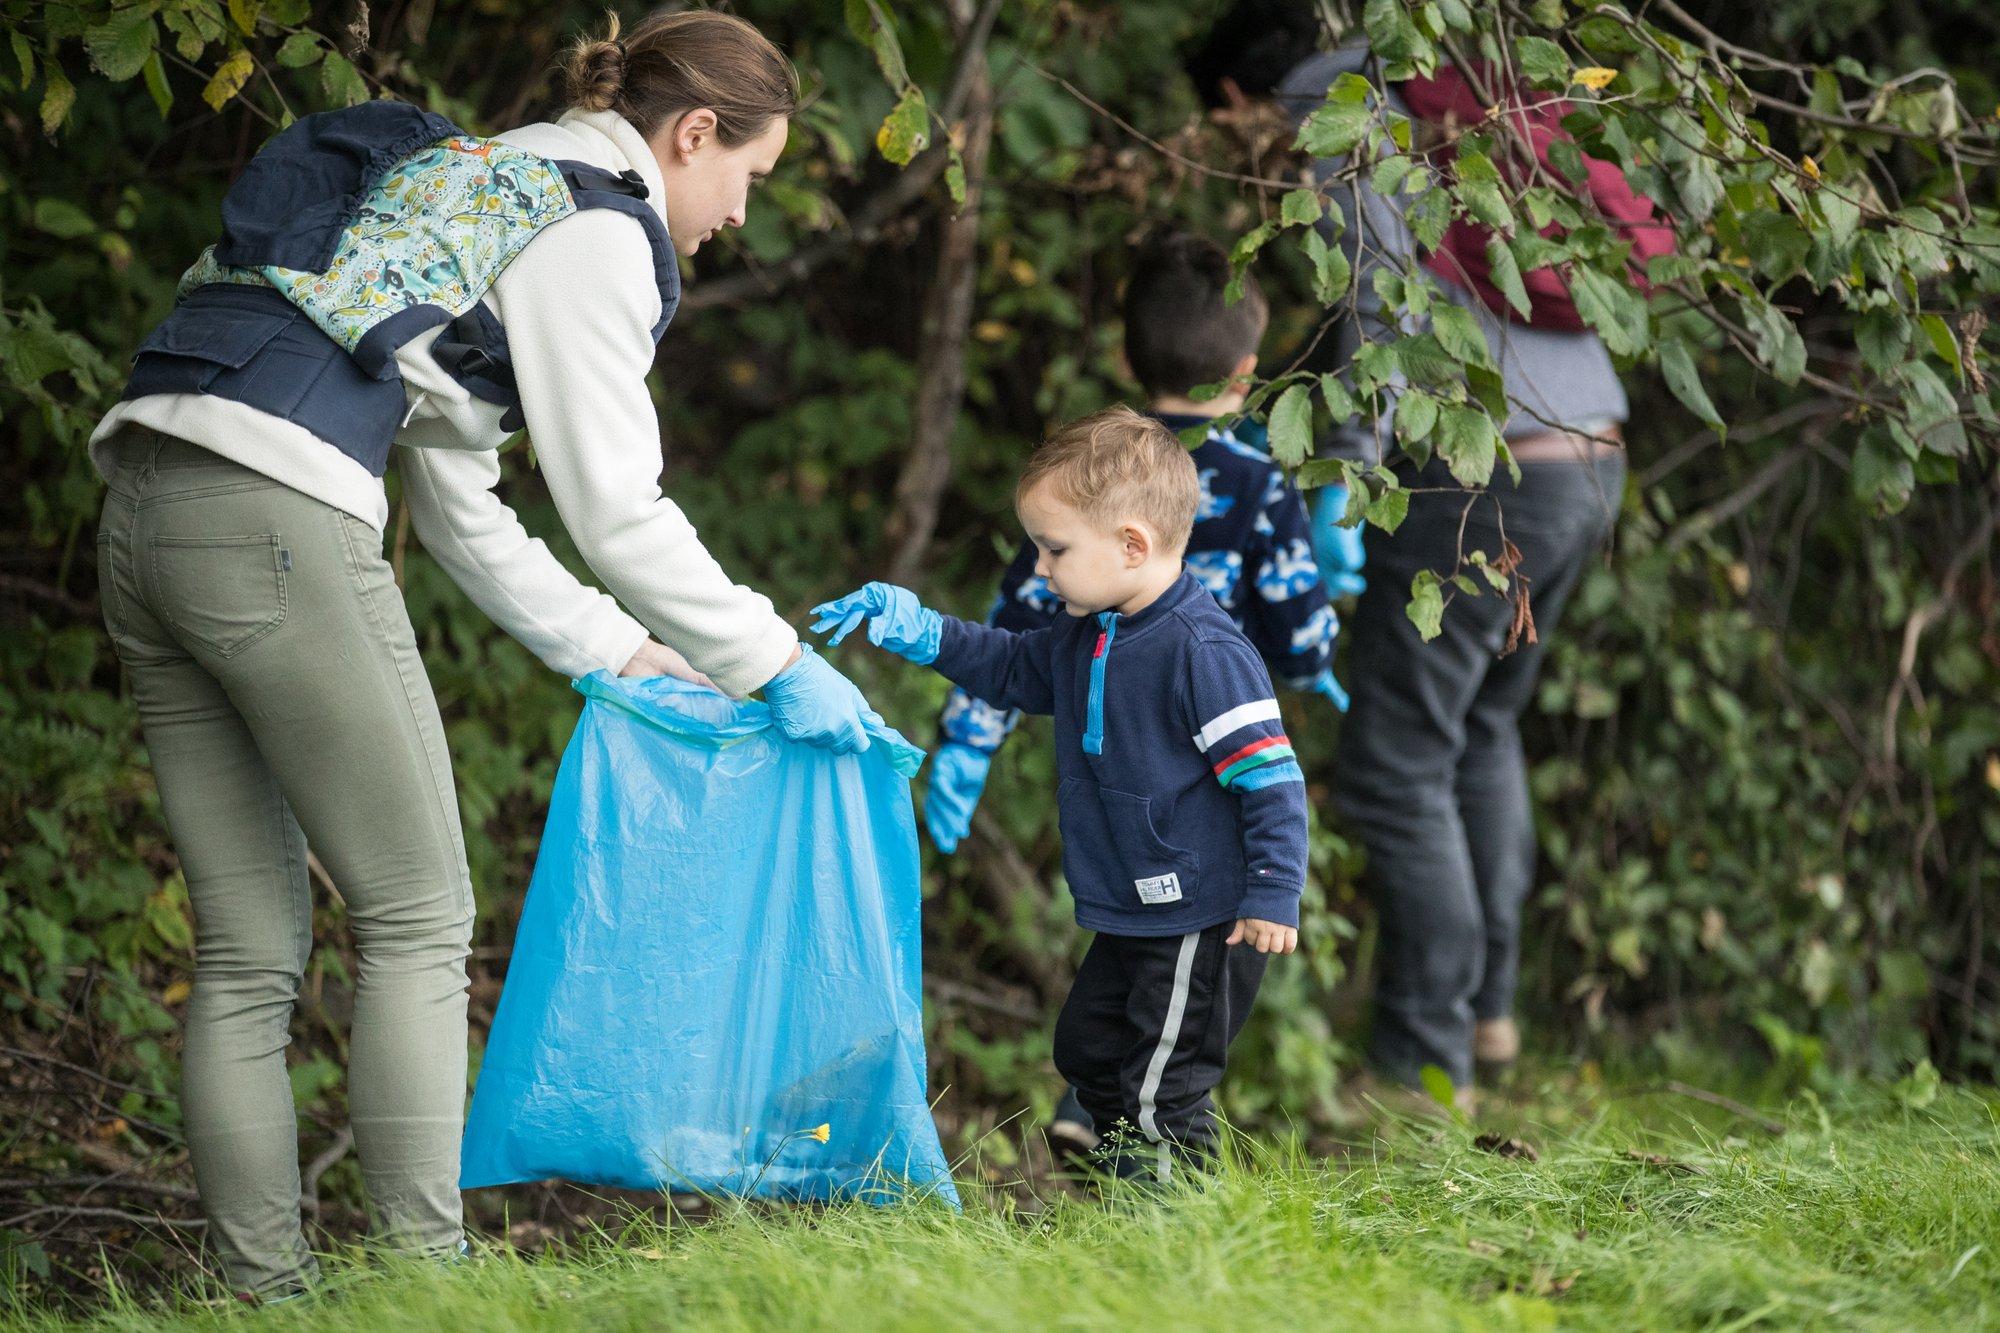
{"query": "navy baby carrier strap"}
(353, 232)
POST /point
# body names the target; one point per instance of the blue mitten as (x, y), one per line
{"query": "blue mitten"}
(958, 775)
(812, 702)
(896, 621)
(1329, 689)
(1338, 550)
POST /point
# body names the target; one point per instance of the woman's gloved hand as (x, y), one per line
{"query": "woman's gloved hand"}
(812, 702)
(1337, 550)
(1327, 688)
(896, 621)
(958, 775)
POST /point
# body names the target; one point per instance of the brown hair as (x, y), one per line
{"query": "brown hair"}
(1115, 465)
(1180, 330)
(676, 61)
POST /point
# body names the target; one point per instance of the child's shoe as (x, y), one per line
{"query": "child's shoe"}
(1072, 1136)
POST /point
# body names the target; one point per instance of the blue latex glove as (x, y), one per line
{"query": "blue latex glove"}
(1326, 687)
(812, 702)
(958, 775)
(1337, 550)
(896, 621)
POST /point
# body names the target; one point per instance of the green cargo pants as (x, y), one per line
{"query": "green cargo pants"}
(284, 703)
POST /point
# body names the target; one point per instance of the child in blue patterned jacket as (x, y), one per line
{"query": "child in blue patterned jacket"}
(1253, 546)
(1182, 808)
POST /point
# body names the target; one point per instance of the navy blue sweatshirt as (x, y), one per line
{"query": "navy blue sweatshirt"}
(1180, 800)
(1251, 548)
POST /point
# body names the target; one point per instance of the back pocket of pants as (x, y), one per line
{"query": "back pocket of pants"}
(224, 593)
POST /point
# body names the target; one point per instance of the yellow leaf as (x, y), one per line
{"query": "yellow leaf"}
(175, 993)
(990, 330)
(228, 81)
(1810, 167)
(245, 13)
(1993, 771)
(1593, 77)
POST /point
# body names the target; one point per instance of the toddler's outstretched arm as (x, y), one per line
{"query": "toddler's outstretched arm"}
(1006, 669)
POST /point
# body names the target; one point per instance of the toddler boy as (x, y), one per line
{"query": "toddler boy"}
(1182, 808)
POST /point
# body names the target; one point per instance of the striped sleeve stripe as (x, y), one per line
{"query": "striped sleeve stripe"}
(1237, 718)
(1274, 754)
(1270, 775)
(1252, 748)
(1233, 777)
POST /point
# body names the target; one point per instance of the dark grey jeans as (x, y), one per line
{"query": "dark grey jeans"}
(1431, 773)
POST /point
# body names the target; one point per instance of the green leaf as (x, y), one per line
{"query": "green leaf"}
(300, 49)
(1882, 472)
(1613, 308)
(1331, 271)
(1299, 209)
(344, 84)
(1882, 334)
(24, 53)
(906, 130)
(1333, 129)
(1778, 343)
(1388, 510)
(873, 27)
(119, 46)
(1776, 244)
(245, 13)
(1248, 244)
(1428, 215)
(1416, 414)
(1426, 612)
(1543, 64)
(1390, 173)
(1340, 404)
(156, 84)
(1322, 472)
(1942, 342)
(1392, 35)
(1291, 426)
(1489, 387)
(954, 177)
(61, 218)
(1507, 275)
(1467, 442)
(1457, 329)
(1567, 159)
(1677, 364)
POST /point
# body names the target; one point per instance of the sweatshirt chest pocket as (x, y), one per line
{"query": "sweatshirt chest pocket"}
(1115, 833)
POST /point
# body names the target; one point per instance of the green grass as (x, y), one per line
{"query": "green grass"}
(1643, 1212)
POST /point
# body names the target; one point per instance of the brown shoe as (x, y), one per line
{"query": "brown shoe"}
(1496, 1045)
(1368, 1096)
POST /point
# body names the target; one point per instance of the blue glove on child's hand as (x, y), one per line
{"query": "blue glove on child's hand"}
(958, 775)
(896, 621)
(1326, 687)
(812, 702)
(1338, 550)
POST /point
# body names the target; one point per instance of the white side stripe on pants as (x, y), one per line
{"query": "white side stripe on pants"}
(1170, 1034)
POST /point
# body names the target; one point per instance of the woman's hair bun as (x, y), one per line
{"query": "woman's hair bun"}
(595, 71)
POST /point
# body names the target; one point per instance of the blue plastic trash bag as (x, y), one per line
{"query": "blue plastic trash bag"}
(718, 963)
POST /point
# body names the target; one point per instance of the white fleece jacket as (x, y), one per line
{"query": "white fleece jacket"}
(578, 303)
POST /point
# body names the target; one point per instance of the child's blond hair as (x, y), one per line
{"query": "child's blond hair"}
(1116, 465)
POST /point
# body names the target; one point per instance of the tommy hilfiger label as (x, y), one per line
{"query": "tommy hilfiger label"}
(1159, 889)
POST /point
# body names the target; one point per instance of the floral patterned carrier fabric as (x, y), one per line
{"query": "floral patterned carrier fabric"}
(353, 232)
(436, 231)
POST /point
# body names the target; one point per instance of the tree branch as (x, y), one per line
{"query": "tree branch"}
(941, 357)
